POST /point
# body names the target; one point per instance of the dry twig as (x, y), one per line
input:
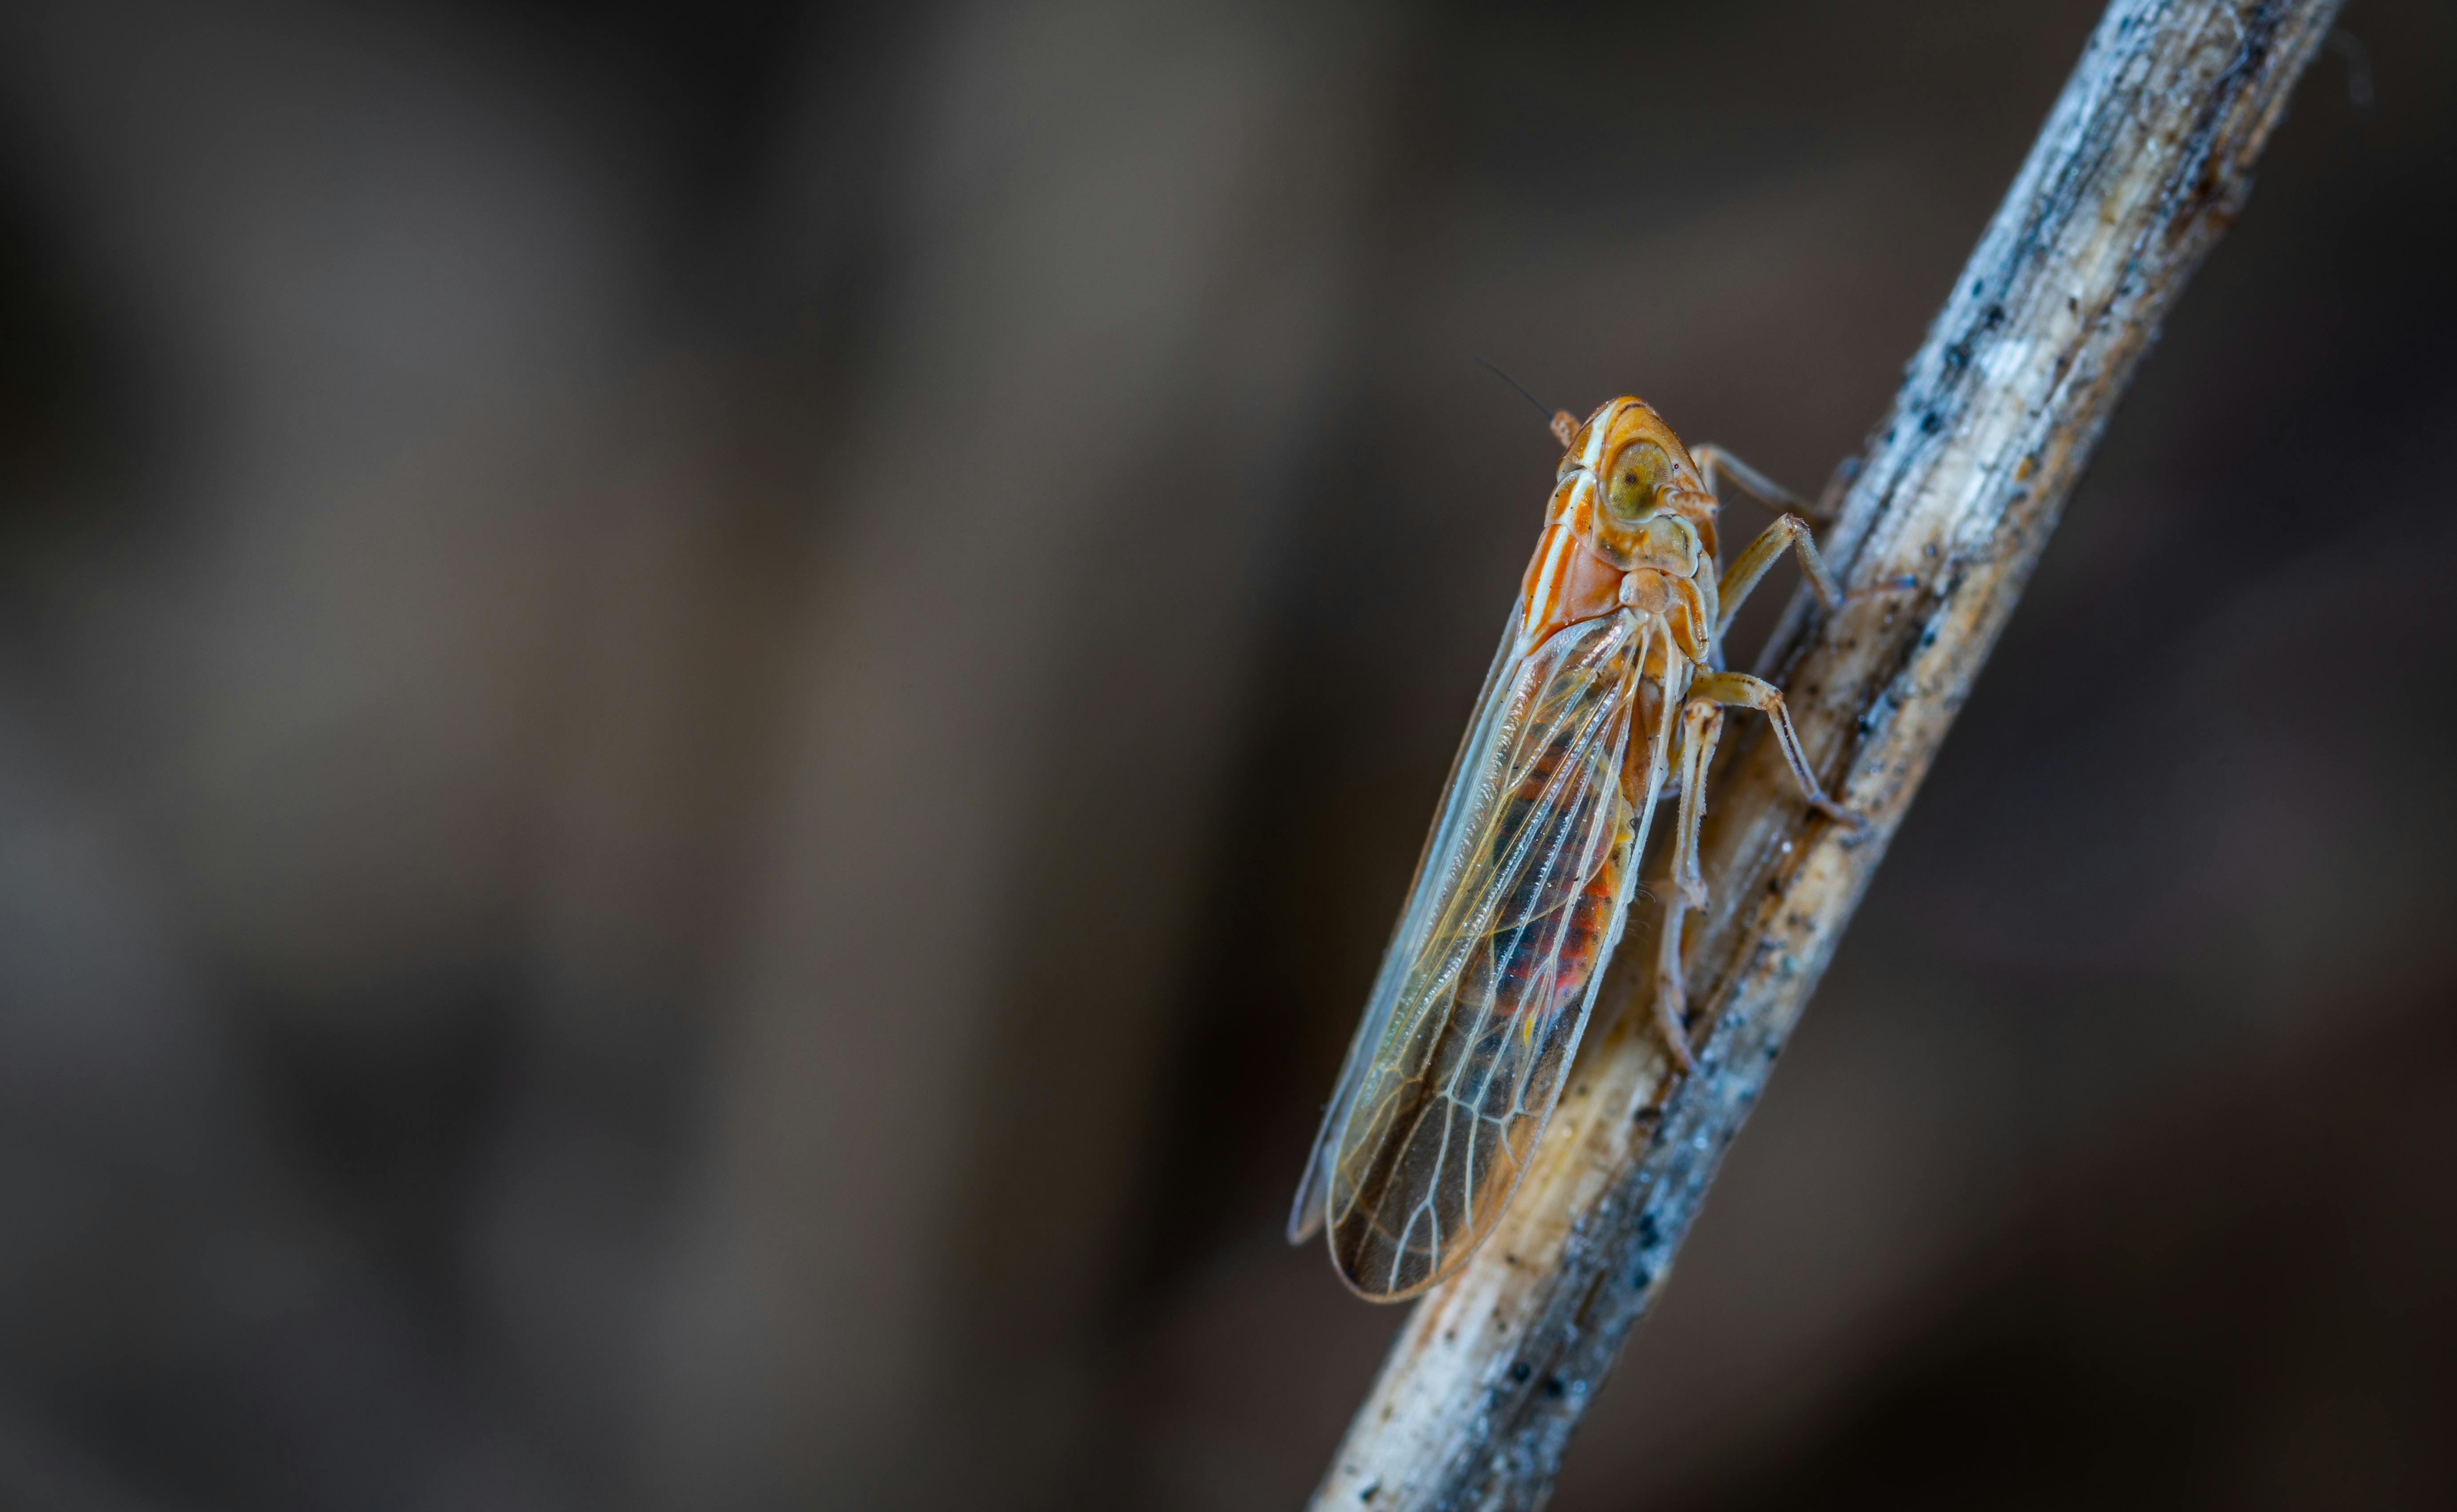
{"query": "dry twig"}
(2142, 165)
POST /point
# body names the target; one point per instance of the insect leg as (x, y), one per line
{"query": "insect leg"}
(1712, 460)
(1738, 690)
(1701, 725)
(1752, 564)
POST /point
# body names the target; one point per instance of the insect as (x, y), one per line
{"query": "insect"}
(1605, 696)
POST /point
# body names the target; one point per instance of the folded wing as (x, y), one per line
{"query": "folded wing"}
(1489, 980)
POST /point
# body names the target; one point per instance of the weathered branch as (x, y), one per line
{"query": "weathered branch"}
(2143, 163)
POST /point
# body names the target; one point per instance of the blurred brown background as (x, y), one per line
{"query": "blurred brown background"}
(709, 715)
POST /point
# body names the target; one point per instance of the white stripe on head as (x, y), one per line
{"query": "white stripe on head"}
(1596, 429)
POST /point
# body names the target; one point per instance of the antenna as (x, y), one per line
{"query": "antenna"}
(1563, 424)
(1541, 407)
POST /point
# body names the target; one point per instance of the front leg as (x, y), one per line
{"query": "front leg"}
(1751, 565)
(1712, 460)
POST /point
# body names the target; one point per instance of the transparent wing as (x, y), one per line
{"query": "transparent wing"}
(1305, 1214)
(1489, 981)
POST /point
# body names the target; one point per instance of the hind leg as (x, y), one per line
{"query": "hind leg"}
(1684, 887)
(1738, 690)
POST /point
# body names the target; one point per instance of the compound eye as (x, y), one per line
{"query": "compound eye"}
(1640, 469)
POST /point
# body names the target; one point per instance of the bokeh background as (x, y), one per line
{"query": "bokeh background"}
(709, 714)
